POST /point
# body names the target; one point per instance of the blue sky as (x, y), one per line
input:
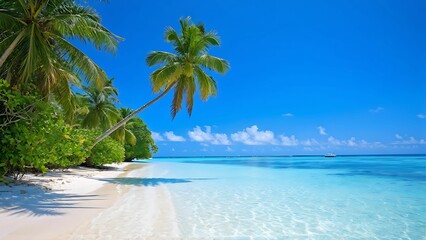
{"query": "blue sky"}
(307, 77)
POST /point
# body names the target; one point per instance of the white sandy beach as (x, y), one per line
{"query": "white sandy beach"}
(84, 203)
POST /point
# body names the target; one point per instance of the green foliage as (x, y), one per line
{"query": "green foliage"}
(184, 69)
(144, 146)
(72, 146)
(106, 152)
(35, 46)
(39, 138)
(123, 134)
(101, 112)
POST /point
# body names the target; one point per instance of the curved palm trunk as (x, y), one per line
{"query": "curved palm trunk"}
(126, 119)
(11, 47)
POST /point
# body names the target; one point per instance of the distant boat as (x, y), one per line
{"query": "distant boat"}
(330, 155)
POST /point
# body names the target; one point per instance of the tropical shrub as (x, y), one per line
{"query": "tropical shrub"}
(72, 146)
(34, 135)
(144, 146)
(106, 152)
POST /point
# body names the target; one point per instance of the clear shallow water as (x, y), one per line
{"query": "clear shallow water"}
(359, 197)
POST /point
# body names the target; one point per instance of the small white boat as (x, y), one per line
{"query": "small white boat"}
(330, 155)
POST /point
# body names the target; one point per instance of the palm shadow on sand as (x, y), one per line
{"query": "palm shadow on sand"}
(35, 201)
(152, 182)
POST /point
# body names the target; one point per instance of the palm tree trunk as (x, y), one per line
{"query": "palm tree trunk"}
(11, 47)
(126, 119)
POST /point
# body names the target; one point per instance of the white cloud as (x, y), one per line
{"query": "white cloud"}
(409, 141)
(310, 142)
(252, 136)
(397, 136)
(198, 135)
(422, 116)
(321, 130)
(289, 141)
(221, 139)
(376, 110)
(334, 141)
(288, 115)
(174, 138)
(229, 149)
(157, 137)
(377, 145)
(351, 142)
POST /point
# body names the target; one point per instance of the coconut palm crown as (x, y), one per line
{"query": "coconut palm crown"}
(35, 45)
(101, 111)
(184, 70)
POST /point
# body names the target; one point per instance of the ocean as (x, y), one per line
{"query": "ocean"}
(346, 197)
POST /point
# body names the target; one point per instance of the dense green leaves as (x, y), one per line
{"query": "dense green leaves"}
(107, 151)
(35, 46)
(100, 109)
(35, 136)
(39, 137)
(45, 124)
(144, 146)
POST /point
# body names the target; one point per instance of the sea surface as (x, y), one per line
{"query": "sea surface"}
(346, 197)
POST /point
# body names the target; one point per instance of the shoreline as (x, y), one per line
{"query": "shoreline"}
(144, 211)
(60, 203)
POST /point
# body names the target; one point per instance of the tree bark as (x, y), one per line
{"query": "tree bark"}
(11, 47)
(126, 119)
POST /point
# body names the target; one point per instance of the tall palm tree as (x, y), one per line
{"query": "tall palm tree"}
(34, 45)
(182, 70)
(101, 111)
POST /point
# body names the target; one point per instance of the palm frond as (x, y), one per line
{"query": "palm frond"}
(201, 43)
(190, 91)
(206, 84)
(171, 35)
(213, 63)
(84, 24)
(130, 138)
(177, 98)
(80, 62)
(165, 75)
(157, 57)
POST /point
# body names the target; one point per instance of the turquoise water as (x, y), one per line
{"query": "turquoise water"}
(360, 197)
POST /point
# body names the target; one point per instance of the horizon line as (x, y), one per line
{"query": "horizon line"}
(291, 155)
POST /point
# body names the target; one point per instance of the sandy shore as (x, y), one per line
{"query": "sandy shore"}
(85, 203)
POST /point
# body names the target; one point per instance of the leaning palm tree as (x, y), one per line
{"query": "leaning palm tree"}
(123, 134)
(182, 70)
(35, 46)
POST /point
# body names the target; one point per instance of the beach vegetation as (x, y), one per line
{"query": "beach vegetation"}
(124, 134)
(97, 109)
(107, 152)
(55, 100)
(144, 146)
(182, 71)
(35, 47)
(39, 138)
